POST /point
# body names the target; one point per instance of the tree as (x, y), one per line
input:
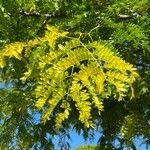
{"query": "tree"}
(72, 72)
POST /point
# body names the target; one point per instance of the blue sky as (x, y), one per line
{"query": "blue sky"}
(2, 85)
(77, 140)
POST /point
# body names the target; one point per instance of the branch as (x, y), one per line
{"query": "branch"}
(143, 65)
(48, 15)
(124, 17)
(146, 65)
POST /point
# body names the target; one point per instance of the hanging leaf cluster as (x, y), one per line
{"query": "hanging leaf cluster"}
(67, 71)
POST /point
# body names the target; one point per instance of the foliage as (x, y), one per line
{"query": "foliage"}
(50, 73)
(72, 71)
(88, 147)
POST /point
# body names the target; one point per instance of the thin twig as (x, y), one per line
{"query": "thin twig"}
(72, 69)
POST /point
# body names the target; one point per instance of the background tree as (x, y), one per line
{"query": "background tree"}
(123, 24)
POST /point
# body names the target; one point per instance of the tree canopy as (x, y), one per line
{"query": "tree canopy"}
(74, 65)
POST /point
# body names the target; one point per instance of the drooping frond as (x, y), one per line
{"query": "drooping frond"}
(86, 74)
(15, 49)
(11, 50)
